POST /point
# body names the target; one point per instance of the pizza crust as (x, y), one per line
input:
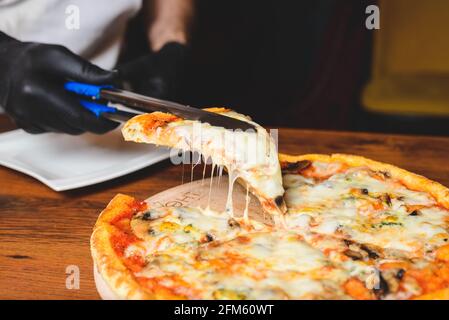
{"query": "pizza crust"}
(114, 280)
(112, 270)
(411, 180)
(103, 288)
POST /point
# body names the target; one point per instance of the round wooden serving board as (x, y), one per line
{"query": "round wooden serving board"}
(204, 193)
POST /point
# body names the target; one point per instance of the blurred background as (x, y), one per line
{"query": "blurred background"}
(314, 64)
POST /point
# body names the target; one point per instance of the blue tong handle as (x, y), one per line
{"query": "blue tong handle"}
(91, 91)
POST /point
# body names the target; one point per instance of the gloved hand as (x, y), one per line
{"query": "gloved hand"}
(32, 76)
(157, 74)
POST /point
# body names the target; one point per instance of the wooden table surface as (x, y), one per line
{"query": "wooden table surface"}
(42, 232)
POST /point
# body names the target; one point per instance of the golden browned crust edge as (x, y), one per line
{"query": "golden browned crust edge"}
(118, 277)
(149, 122)
(152, 121)
(410, 180)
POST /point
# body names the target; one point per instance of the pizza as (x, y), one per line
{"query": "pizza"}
(188, 253)
(250, 157)
(353, 228)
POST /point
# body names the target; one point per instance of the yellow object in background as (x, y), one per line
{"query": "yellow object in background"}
(410, 72)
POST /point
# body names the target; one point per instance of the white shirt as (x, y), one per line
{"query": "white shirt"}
(93, 29)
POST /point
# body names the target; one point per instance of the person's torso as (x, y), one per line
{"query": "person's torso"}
(92, 29)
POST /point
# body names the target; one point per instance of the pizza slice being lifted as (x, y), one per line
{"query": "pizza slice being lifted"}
(248, 156)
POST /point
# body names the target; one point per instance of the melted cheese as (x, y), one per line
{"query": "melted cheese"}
(353, 204)
(269, 265)
(236, 264)
(186, 226)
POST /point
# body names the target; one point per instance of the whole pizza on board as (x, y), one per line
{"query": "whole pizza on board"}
(344, 227)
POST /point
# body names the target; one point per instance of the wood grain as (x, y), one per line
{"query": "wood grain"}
(42, 231)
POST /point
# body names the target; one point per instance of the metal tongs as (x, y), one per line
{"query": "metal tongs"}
(137, 104)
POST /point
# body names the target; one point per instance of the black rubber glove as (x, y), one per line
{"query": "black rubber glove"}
(32, 76)
(157, 74)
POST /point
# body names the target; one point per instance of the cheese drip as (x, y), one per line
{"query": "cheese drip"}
(210, 185)
(229, 203)
(245, 212)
